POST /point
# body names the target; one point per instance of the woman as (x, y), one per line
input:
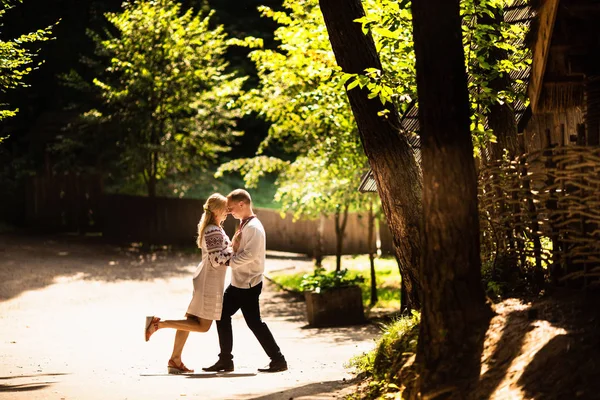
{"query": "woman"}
(209, 282)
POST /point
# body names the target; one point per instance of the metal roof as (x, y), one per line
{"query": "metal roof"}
(367, 181)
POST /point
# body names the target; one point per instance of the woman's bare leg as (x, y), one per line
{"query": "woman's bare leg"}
(180, 339)
(184, 327)
(189, 325)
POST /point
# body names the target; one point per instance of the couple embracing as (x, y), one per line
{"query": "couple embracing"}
(245, 255)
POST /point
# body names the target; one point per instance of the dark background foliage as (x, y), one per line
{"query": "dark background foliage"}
(46, 105)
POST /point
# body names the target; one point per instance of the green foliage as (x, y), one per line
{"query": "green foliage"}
(262, 196)
(394, 349)
(17, 60)
(320, 280)
(493, 49)
(388, 279)
(390, 23)
(302, 96)
(166, 96)
(253, 168)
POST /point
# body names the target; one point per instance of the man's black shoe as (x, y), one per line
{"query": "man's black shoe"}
(275, 366)
(221, 365)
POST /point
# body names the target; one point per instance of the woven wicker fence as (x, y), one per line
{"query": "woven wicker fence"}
(540, 215)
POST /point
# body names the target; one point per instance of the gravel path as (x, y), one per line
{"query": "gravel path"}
(72, 313)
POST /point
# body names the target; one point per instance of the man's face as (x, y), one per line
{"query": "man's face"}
(234, 208)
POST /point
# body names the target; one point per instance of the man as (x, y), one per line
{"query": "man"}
(247, 268)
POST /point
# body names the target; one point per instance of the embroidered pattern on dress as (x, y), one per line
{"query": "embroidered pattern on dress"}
(217, 244)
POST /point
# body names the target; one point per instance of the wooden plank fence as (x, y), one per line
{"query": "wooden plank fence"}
(173, 221)
(75, 203)
(64, 202)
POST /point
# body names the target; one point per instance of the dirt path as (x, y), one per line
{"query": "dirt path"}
(72, 313)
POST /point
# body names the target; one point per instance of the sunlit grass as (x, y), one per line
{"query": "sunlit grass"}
(386, 271)
(395, 350)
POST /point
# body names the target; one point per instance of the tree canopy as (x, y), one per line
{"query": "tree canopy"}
(301, 94)
(166, 96)
(17, 60)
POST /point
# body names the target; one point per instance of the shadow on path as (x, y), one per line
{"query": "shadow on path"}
(32, 376)
(217, 375)
(312, 389)
(508, 348)
(26, 387)
(281, 305)
(29, 386)
(208, 375)
(568, 366)
(29, 262)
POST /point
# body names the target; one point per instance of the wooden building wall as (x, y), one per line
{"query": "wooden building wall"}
(561, 128)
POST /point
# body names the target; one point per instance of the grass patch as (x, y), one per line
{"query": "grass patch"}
(386, 271)
(288, 281)
(388, 367)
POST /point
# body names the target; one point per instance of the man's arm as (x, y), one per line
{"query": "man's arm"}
(252, 241)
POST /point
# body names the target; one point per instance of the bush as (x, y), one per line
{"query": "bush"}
(388, 366)
(320, 280)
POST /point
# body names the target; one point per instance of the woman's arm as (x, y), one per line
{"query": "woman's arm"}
(219, 253)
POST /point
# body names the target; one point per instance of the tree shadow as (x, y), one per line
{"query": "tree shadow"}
(208, 375)
(291, 308)
(29, 386)
(311, 389)
(507, 349)
(26, 387)
(568, 366)
(221, 375)
(29, 262)
(277, 255)
(32, 376)
(283, 305)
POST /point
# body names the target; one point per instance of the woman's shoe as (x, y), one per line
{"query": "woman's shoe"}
(151, 326)
(178, 369)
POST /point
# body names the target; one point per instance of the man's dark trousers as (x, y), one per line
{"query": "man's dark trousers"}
(246, 300)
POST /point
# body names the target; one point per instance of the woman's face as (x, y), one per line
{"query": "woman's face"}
(220, 215)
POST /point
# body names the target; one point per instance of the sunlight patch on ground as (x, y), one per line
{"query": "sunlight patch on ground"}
(535, 335)
(496, 329)
(535, 340)
(69, 278)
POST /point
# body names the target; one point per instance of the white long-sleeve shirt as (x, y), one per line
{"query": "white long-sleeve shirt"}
(248, 264)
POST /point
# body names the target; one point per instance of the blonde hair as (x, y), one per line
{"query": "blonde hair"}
(216, 203)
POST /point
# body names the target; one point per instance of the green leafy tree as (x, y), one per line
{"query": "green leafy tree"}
(493, 50)
(301, 94)
(17, 60)
(390, 24)
(390, 156)
(166, 95)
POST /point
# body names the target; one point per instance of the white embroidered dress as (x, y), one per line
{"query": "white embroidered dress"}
(209, 278)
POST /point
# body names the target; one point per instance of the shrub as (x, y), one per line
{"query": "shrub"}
(320, 280)
(388, 364)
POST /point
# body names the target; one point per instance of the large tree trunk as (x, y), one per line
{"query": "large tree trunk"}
(454, 317)
(390, 156)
